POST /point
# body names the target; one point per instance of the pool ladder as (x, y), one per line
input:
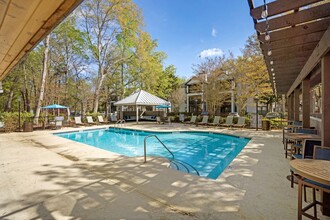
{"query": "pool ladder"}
(174, 163)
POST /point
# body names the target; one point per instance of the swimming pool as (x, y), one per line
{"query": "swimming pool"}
(209, 153)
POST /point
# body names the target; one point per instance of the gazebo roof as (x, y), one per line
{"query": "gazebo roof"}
(141, 97)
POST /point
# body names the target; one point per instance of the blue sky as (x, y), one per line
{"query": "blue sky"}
(189, 30)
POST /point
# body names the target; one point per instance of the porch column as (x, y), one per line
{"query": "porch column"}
(290, 107)
(283, 103)
(137, 114)
(306, 103)
(296, 105)
(187, 110)
(232, 101)
(325, 79)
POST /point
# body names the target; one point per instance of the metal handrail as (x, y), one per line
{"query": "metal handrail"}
(120, 122)
(183, 164)
(145, 147)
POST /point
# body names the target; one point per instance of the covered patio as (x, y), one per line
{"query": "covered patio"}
(138, 99)
(295, 40)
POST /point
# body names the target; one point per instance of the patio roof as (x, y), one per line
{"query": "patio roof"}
(141, 97)
(24, 23)
(295, 28)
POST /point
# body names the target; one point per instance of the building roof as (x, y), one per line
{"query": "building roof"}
(24, 23)
(141, 97)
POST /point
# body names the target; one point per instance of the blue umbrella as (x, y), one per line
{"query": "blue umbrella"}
(54, 106)
(163, 106)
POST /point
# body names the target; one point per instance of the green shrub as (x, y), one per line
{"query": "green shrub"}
(277, 123)
(10, 120)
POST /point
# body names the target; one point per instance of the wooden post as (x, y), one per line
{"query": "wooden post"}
(325, 79)
(325, 76)
(306, 103)
(296, 105)
(290, 107)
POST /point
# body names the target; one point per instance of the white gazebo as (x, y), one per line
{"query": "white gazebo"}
(141, 98)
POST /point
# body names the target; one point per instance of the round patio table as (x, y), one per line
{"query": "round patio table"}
(315, 170)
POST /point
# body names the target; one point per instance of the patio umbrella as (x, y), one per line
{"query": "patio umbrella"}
(54, 106)
(163, 106)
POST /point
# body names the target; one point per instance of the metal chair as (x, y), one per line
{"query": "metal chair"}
(298, 145)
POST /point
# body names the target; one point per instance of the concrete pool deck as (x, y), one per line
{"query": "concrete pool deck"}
(47, 177)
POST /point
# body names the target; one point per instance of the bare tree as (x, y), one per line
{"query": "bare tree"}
(43, 79)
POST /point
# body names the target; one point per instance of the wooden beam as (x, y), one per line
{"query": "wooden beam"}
(293, 69)
(33, 31)
(299, 17)
(280, 6)
(4, 6)
(321, 49)
(294, 41)
(303, 29)
(284, 63)
(293, 49)
(291, 57)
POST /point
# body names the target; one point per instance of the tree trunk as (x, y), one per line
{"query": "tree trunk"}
(43, 79)
(27, 104)
(97, 91)
(9, 101)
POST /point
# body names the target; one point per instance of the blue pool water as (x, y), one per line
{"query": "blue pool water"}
(209, 153)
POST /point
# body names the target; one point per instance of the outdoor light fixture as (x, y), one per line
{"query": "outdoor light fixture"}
(256, 99)
(271, 62)
(269, 53)
(267, 37)
(264, 13)
(272, 69)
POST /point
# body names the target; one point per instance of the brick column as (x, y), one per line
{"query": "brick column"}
(306, 103)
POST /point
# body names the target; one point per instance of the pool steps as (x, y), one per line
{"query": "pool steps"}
(174, 163)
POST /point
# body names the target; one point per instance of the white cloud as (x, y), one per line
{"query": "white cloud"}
(214, 32)
(211, 52)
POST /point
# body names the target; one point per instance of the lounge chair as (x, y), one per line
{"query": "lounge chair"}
(204, 120)
(90, 120)
(77, 121)
(192, 120)
(229, 121)
(240, 123)
(101, 120)
(216, 121)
